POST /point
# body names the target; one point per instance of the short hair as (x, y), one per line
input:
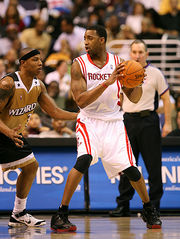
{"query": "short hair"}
(101, 31)
(137, 41)
(60, 62)
(68, 19)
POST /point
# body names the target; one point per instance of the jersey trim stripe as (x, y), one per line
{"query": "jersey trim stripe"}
(5, 166)
(84, 140)
(81, 65)
(84, 67)
(128, 149)
(85, 135)
(115, 60)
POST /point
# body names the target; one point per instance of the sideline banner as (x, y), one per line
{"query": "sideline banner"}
(103, 192)
(54, 166)
(47, 189)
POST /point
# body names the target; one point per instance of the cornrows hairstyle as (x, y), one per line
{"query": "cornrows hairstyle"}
(137, 41)
(101, 31)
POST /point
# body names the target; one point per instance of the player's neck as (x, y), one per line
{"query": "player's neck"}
(26, 78)
(99, 58)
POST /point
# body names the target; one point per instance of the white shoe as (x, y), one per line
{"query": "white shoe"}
(25, 219)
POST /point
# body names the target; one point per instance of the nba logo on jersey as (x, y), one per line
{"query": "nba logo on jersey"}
(20, 97)
(111, 67)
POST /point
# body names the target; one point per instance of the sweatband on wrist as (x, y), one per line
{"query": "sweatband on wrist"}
(104, 85)
(29, 55)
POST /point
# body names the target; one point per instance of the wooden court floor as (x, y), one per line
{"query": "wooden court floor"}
(97, 227)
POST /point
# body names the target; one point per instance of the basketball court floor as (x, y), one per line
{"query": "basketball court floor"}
(97, 227)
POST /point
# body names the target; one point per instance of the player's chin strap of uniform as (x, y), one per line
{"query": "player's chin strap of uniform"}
(132, 173)
(29, 55)
(83, 162)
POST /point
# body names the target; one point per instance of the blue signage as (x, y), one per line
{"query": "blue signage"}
(103, 192)
(47, 190)
(54, 166)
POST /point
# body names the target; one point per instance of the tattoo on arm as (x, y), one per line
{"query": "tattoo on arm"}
(6, 92)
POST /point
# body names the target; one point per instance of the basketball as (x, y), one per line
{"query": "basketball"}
(133, 74)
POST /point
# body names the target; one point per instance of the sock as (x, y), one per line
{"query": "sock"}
(19, 205)
(63, 208)
(147, 204)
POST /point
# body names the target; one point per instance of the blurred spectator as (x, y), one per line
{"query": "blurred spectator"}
(17, 45)
(34, 127)
(12, 16)
(65, 54)
(11, 61)
(134, 20)
(94, 19)
(79, 5)
(41, 12)
(60, 129)
(155, 18)
(74, 35)
(121, 8)
(155, 4)
(122, 50)
(148, 30)
(22, 11)
(53, 91)
(93, 6)
(37, 37)
(113, 28)
(171, 21)
(165, 6)
(63, 6)
(10, 40)
(61, 76)
(2, 68)
(176, 132)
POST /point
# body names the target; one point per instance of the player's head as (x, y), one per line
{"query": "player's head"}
(30, 61)
(95, 38)
(138, 51)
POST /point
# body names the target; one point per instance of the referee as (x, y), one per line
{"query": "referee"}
(143, 128)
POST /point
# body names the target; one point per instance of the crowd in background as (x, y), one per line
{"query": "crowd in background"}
(57, 29)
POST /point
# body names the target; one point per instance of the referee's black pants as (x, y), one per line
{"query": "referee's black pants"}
(145, 138)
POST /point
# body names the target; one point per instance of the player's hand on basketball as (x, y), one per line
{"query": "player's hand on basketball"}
(117, 74)
(133, 74)
(16, 137)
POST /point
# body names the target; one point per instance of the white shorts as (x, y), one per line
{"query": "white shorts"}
(107, 140)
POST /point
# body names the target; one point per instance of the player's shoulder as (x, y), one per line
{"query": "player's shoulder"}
(116, 58)
(8, 80)
(81, 57)
(7, 85)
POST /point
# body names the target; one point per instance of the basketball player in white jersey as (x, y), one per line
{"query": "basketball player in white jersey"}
(95, 82)
(19, 93)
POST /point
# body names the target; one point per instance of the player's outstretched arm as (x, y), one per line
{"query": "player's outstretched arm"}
(49, 106)
(6, 92)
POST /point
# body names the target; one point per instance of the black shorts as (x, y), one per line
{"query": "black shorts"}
(9, 152)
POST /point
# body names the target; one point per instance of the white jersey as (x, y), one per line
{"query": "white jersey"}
(107, 106)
